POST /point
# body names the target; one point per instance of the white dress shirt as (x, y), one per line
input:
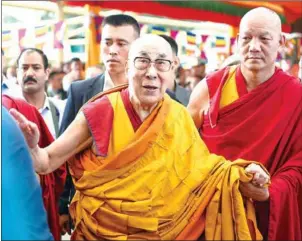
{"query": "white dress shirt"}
(47, 116)
(108, 83)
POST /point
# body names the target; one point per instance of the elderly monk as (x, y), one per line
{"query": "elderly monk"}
(141, 170)
(253, 111)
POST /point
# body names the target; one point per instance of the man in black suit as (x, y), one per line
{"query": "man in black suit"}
(118, 32)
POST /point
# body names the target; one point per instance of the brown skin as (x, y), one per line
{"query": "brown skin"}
(56, 81)
(31, 67)
(115, 45)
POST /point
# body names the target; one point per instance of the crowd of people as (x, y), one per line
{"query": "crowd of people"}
(139, 148)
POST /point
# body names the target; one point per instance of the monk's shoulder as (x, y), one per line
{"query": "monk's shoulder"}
(98, 105)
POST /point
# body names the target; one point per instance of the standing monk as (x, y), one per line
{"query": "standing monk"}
(253, 111)
(137, 173)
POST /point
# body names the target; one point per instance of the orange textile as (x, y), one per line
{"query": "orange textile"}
(158, 183)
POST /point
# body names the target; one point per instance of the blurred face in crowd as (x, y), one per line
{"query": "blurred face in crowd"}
(259, 40)
(198, 71)
(76, 66)
(150, 68)
(56, 81)
(11, 72)
(115, 45)
(31, 73)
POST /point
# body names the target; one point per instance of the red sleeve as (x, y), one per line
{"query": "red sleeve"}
(99, 116)
(283, 212)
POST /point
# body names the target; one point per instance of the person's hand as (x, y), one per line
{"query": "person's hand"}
(29, 129)
(256, 193)
(260, 177)
(65, 224)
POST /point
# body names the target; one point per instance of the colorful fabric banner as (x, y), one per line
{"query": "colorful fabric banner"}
(21, 38)
(6, 36)
(98, 27)
(220, 41)
(173, 33)
(232, 45)
(158, 30)
(58, 35)
(41, 31)
(190, 52)
(191, 38)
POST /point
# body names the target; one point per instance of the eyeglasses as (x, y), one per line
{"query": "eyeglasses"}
(162, 65)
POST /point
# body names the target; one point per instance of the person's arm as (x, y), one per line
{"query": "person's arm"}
(199, 102)
(23, 216)
(50, 158)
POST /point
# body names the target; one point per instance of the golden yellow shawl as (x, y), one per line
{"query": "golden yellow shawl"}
(159, 183)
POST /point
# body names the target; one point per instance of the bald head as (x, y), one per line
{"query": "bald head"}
(259, 17)
(149, 43)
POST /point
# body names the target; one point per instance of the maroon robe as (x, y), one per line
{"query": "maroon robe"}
(263, 125)
(52, 184)
(104, 121)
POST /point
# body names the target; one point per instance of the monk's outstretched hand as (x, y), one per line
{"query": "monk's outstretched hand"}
(29, 129)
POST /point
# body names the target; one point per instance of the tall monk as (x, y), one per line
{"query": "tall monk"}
(140, 169)
(52, 184)
(253, 111)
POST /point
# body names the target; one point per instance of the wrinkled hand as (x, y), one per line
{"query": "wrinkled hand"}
(260, 177)
(29, 129)
(257, 188)
(256, 193)
(64, 224)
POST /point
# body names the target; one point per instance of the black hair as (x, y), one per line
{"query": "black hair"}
(53, 73)
(121, 20)
(44, 57)
(172, 43)
(74, 60)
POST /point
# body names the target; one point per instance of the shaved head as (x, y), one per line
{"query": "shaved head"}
(259, 17)
(259, 40)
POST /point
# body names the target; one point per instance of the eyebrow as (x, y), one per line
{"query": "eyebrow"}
(145, 54)
(263, 33)
(119, 39)
(35, 65)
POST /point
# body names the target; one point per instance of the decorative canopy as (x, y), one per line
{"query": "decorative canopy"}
(229, 12)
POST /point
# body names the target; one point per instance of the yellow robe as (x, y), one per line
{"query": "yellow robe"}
(158, 183)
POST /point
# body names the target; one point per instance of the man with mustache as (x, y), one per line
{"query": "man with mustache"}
(33, 72)
(118, 32)
(253, 111)
(140, 169)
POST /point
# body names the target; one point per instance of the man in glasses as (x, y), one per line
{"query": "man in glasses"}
(140, 169)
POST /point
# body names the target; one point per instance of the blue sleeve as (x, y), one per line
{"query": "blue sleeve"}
(23, 213)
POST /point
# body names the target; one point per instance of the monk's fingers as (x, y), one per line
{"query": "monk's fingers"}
(252, 168)
(21, 119)
(26, 126)
(260, 179)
